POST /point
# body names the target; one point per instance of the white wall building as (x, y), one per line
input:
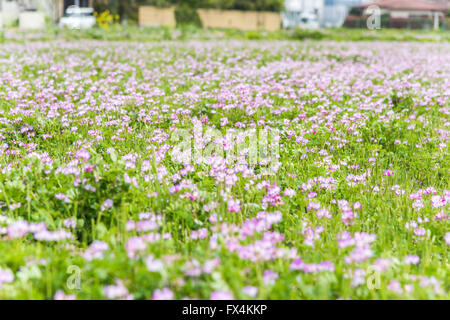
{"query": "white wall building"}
(33, 12)
(304, 5)
(335, 11)
(302, 13)
(328, 13)
(9, 12)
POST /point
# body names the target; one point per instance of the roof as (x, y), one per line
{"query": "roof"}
(410, 5)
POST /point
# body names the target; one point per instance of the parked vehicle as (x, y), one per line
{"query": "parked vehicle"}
(78, 18)
(298, 19)
(308, 21)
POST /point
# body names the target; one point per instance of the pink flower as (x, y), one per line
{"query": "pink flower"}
(202, 233)
(323, 213)
(117, 291)
(18, 229)
(154, 265)
(234, 205)
(388, 173)
(418, 204)
(296, 264)
(199, 234)
(270, 277)
(437, 202)
(6, 276)
(204, 119)
(447, 238)
(62, 196)
(210, 265)
(146, 225)
(359, 254)
(82, 154)
(60, 295)
(221, 295)
(395, 286)
(107, 204)
(289, 193)
(135, 245)
(411, 259)
(95, 251)
(70, 223)
(420, 232)
(311, 195)
(358, 277)
(381, 264)
(15, 206)
(250, 291)
(58, 235)
(163, 294)
(313, 206)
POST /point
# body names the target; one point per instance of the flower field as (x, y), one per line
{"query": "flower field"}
(224, 170)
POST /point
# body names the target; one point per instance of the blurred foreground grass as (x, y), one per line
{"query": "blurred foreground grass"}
(134, 33)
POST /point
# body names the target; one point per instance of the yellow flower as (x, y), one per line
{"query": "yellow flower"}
(106, 19)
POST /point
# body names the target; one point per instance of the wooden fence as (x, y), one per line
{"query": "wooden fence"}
(153, 16)
(212, 18)
(241, 20)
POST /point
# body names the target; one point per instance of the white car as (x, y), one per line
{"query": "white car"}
(298, 19)
(78, 18)
(308, 21)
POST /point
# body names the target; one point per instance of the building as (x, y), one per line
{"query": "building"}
(411, 14)
(302, 13)
(305, 6)
(335, 11)
(445, 3)
(11, 10)
(27, 14)
(328, 13)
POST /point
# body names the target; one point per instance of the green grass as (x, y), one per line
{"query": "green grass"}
(189, 32)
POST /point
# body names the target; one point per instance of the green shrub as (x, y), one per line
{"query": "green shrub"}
(186, 15)
(254, 35)
(302, 34)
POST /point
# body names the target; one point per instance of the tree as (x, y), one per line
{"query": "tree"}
(128, 9)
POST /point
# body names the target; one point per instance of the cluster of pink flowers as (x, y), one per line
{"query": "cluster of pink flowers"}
(324, 266)
(60, 295)
(91, 141)
(347, 210)
(95, 250)
(6, 276)
(361, 242)
(222, 295)
(19, 229)
(163, 294)
(117, 291)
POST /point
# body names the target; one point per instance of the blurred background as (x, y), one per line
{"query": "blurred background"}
(250, 18)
